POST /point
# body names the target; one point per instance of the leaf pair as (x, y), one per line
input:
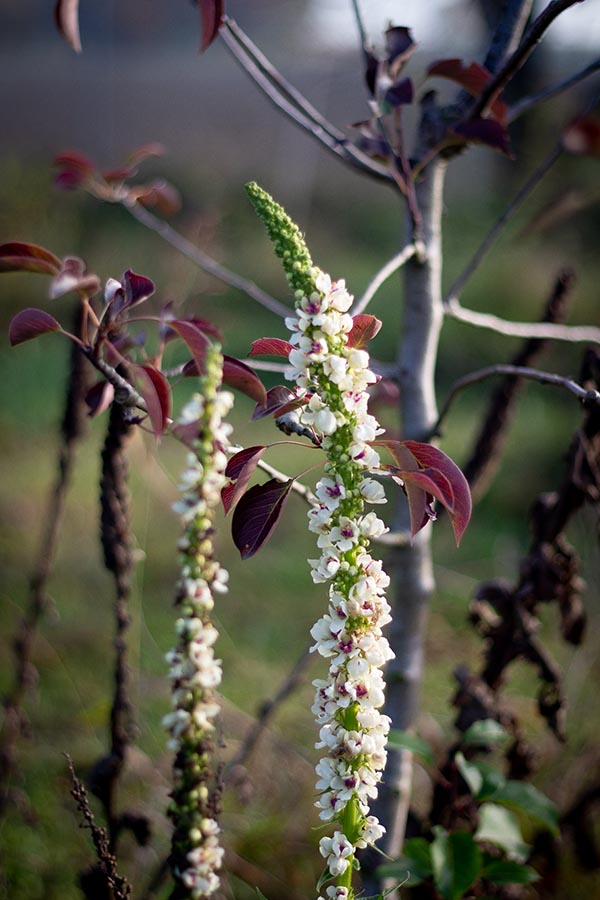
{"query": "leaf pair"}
(426, 473)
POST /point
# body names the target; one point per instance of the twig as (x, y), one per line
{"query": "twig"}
(587, 396)
(72, 429)
(391, 266)
(571, 333)
(508, 32)
(493, 234)
(343, 149)
(360, 24)
(267, 710)
(203, 260)
(118, 885)
(480, 465)
(553, 90)
(530, 40)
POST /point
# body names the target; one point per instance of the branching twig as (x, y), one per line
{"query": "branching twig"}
(118, 885)
(588, 397)
(204, 261)
(524, 105)
(571, 333)
(531, 39)
(395, 263)
(494, 232)
(268, 709)
(14, 718)
(343, 149)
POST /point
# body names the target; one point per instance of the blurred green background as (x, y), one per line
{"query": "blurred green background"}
(140, 79)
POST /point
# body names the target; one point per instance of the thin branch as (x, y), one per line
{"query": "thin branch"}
(553, 90)
(285, 87)
(588, 397)
(508, 33)
(360, 24)
(530, 40)
(268, 709)
(343, 149)
(494, 232)
(115, 884)
(395, 263)
(125, 393)
(203, 261)
(572, 333)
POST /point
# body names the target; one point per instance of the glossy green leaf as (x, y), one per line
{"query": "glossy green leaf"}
(522, 796)
(499, 826)
(457, 862)
(507, 871)
(485, 733)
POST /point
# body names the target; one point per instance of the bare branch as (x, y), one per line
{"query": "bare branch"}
(553, 90)
(391, 266)
(530, 40)
(586, 396)
(267, 710)
(342, 148)
(572, 333)
(360, 24)
(508, 32)
(125, 393)
(203, 260)
(495, 231)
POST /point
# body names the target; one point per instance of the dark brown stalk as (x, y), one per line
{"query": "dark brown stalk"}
(487, 449)
(15, 720)
(103, 877)
(116, 544)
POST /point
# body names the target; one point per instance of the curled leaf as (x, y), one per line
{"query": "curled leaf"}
(196, 341)
(238, 375)
(156, 391)
(73, 277)
(99, 397)
(279, 400)
(271, 347)
(66, 14)
(29, 323)
(211, 15)
(16, 256)
(431, 457)
(257, 514)
(240, 468)
(364, 328)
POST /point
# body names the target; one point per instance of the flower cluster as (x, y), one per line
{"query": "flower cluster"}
(335, 377)
(195, 674)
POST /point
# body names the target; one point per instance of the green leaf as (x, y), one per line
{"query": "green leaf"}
(485, 733)
(499, 826)
(403, 740)
(260, 894)
(413, 867)
(457, 862)
(521, 795)
(483, 779)
(325, 877)
(507, 871)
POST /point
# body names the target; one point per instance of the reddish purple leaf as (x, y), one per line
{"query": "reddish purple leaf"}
(158, 194)
(240, 468)
(430, 457)
(238, 375)
(271, 347)
(364, 328)
(279, 400)
(16, 256)
(73, 277)
(433, 482)
(399, 46)
(485, 131)
(74, 167)
(211, 15)
(195, 339)
(403, 458)
(137, 288)
(29, 323)
(400, 93)
(472, 78)
(257, 514)
(156, 391)
(67, 19)
(146, 151)
(99, 397)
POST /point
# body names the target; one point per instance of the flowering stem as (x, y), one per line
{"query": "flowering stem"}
(352, 731)
(195, 674)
